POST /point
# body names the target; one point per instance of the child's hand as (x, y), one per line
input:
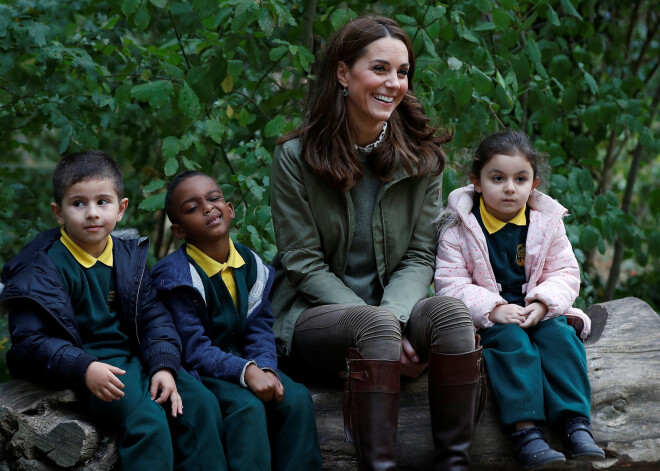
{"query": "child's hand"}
(534, 312)
(410, 365)
(164, 382)
(507, 314)
(264, 384)
(101, 380)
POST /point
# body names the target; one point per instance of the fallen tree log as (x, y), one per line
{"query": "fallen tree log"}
(45, 430)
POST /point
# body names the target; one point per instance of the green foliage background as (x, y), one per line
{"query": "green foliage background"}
(168, 85)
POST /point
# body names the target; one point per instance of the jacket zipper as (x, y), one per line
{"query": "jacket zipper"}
(137, 304)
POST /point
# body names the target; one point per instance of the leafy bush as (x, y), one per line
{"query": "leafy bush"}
(168, 85)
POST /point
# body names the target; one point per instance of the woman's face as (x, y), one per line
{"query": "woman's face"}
(376, 83)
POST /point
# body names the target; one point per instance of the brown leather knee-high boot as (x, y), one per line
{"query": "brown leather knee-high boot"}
(456, 400)
(371, 410)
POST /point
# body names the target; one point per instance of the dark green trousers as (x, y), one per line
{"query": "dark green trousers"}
(149, 437)
(538, 374)
(260, 436)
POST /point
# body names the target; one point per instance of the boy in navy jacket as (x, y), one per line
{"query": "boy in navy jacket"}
(83, 314)
(217, 292)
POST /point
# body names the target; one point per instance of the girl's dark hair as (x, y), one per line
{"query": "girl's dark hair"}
(176, 181)
(507, 142)
(85, 165)
(410, 141)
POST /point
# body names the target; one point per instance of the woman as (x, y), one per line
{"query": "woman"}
(353, 195)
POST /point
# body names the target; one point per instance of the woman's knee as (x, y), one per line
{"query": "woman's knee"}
(372, 323)
(449, 324)
(445, 313)
(376, 332)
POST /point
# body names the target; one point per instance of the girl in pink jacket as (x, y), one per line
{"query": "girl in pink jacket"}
(503, 251)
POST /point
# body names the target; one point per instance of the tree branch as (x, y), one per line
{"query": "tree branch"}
(626, 203)
(608, 164)
(178, 39)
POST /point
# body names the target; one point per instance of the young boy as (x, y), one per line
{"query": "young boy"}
(217, 292)
(83, 314)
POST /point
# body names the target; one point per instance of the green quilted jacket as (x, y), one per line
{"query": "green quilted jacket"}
(314, 226)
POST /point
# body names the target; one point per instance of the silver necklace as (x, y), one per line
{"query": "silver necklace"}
(375, 144)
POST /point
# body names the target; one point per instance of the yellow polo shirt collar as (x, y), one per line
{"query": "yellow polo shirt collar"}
(83, 257)
(492, 224)
(212, 267)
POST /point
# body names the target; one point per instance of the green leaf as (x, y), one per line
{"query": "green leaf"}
(486, 26)
(480, 81)
(156, 93)
(484, 6)
(255, 189)
(216, 130)
(159, 3)
(654, 244)
(463, 91)
(188, 102)
(171, 166)
(128, 7)
(600, 204)
(340, 17)
(586, 181)
(141, 18)
(37, 32)
(171, 147)
(274, 126)
(552, 16)
(153, 203)
(265, 21)
(501, 19)
(570, 9)
(154, 185)
(591, 83)
(190, 164)
(589, 238)
(454, 64)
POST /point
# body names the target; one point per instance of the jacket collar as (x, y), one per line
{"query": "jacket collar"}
(461, 201)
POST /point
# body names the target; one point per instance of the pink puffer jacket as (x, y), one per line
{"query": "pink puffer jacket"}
(463, 269)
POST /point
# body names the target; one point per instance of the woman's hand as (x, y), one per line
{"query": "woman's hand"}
(410, 365)
(507, 314)
(264, 384)
(534, 312)
(163, 381)
(101, 379)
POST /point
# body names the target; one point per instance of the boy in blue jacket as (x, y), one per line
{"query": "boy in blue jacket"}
(217, 292)
(83, 314)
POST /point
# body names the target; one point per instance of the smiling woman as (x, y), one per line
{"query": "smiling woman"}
(354, 192)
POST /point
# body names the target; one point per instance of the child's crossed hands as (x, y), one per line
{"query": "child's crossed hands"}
(514, 314)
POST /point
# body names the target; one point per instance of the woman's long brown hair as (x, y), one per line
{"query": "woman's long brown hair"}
(411, 142)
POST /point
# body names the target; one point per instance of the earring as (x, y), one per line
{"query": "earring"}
(344, 91)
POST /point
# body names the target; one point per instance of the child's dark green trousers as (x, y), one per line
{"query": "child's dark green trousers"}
(149, 437)
(538, 374)
(260, 436)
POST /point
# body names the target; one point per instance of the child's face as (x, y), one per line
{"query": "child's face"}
(202, 215)
(90, 211)
(505, 182)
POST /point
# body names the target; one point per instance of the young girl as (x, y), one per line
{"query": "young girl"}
(503, 251)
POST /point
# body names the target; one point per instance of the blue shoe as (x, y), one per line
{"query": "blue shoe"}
(532, 451)
(579, 442)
